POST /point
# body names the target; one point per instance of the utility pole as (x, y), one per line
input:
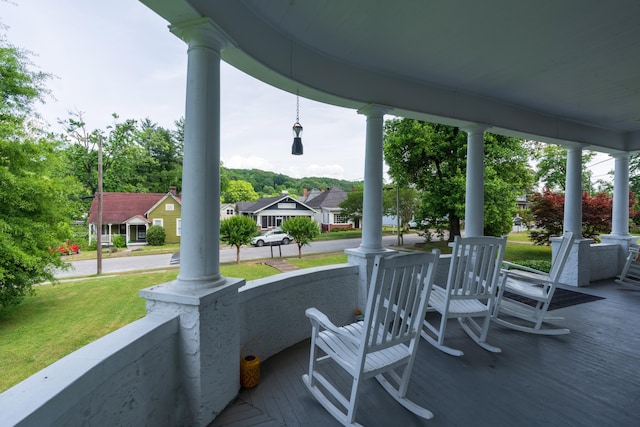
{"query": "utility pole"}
(99, 221)
(398, 213)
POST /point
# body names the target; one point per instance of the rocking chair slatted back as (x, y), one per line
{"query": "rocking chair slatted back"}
(475, 267)
(395, 301)
(470, 292)
(561, 258)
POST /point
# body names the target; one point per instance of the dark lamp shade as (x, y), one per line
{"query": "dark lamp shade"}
(296, 148)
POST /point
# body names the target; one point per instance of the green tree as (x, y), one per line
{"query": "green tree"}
(119, 153)
(352, 205)
(404, 200)
(433, 158)
(551, 167)
(36, 193)
(237, 231)
(303, 229)
(161, 165)
(137, 157)
(239, 191)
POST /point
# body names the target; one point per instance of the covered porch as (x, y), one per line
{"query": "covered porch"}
(468, 64)
(586, 378)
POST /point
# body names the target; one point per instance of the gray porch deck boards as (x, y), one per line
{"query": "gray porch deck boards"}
(590, 377)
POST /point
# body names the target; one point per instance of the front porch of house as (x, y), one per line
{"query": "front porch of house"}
(133, 232)
(586, 378)
(140, 373)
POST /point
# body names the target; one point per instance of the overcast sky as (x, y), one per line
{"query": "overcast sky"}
(117, 56)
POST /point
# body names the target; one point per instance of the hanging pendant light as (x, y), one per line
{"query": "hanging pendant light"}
(296, 148)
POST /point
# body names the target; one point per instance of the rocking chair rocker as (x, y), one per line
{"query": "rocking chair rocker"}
(536, 286)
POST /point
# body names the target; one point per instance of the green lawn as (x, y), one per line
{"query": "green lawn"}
(311, 261)
(61, 318)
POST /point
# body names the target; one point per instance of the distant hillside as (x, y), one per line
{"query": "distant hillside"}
(269, 183)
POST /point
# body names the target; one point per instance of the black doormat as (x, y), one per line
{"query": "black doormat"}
(561, 298)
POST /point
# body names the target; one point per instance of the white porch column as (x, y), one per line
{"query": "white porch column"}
(371, 244)
(474, 197)
(620, 211)
(373, 174)
(577, 268)
(207, 303)
(199, 243)
(620, 217)
(573, 192)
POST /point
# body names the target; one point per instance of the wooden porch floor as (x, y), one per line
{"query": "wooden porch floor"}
(590, 377)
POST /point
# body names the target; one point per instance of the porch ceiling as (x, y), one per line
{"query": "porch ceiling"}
(553, 71)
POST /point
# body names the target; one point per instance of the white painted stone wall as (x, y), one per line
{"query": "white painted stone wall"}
(133, 376)
(128, 377)
(604, 261)
(272, 309)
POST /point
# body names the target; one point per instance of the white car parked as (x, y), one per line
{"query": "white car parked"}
(273, 237)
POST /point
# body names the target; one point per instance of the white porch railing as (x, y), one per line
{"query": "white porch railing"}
(132, 376)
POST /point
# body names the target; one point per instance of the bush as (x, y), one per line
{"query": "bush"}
(538, 264)
(119, 241)
(156, 235)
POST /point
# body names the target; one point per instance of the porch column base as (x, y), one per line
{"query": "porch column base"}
(208, 344)
(624, 241)
(364, 261)
(576, 271)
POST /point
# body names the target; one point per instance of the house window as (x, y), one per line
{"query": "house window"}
(271, 221)
(286, 205)
(158, 221)
(340, 219)
(179, 227)
(229, 211)
(168, 207)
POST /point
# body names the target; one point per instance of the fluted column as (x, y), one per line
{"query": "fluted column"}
(199, 243)
(474, 197)
(373, 180)
(573, 192)
(620, 211)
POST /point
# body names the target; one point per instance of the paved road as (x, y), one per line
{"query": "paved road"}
(145, 262)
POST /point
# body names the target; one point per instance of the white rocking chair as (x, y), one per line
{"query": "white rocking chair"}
(630, 275)
(470, 293)
(387, 339)
(536, 286)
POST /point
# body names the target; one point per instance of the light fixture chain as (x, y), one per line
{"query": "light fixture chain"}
(297, 107)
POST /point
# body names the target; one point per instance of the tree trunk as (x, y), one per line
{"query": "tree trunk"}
(299, 251)
(238, 254)
(454, 227)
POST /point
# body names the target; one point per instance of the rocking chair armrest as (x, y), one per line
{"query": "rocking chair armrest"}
(512, 268)
(319, 318)
(526, 274)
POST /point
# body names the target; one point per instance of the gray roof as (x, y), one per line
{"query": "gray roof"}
(328, 199)
(261, 204)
